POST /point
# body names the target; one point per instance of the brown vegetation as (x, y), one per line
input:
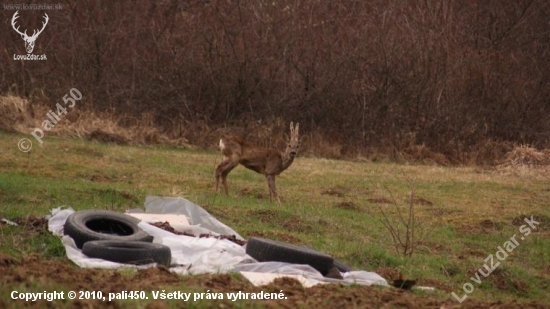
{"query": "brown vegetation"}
(441, 81)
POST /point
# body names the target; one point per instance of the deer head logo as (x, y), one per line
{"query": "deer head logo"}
(29, 40)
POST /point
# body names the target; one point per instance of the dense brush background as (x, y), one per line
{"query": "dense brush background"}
(449, 81)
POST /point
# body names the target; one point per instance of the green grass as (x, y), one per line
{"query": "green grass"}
(329, 205)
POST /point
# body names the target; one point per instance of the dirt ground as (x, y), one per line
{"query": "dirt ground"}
(33, 268)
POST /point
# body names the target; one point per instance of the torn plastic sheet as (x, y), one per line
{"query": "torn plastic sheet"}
(8, 222)
(195, 255)
(201, 221)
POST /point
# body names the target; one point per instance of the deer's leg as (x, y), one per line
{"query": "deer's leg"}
(218, 174)
(222, 171)
(272, 189)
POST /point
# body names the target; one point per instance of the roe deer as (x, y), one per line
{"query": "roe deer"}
(266, 161)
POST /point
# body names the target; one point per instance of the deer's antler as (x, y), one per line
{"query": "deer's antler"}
(294, 131)
(15, 16)
(44, 23)
(34, 33)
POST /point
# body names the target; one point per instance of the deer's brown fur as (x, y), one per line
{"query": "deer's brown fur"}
(269, 162)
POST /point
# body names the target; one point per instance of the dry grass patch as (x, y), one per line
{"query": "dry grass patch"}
(18, 115)
(526, 156)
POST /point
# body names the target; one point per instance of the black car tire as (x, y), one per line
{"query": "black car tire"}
(87, 225)
(343, 268)
(128, 252)
(265, 250)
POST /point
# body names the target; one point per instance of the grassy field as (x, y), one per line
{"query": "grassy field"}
(332, 206)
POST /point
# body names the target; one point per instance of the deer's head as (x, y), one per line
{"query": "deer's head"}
(29, 40)
(294, 141)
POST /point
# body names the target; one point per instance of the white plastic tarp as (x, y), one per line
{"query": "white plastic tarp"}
(194, 255)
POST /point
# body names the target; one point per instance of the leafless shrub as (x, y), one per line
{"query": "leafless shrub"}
(406, 229)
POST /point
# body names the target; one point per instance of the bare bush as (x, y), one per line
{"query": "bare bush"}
(406, 229)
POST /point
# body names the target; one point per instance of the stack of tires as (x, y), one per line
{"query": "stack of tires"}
(115, 237)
